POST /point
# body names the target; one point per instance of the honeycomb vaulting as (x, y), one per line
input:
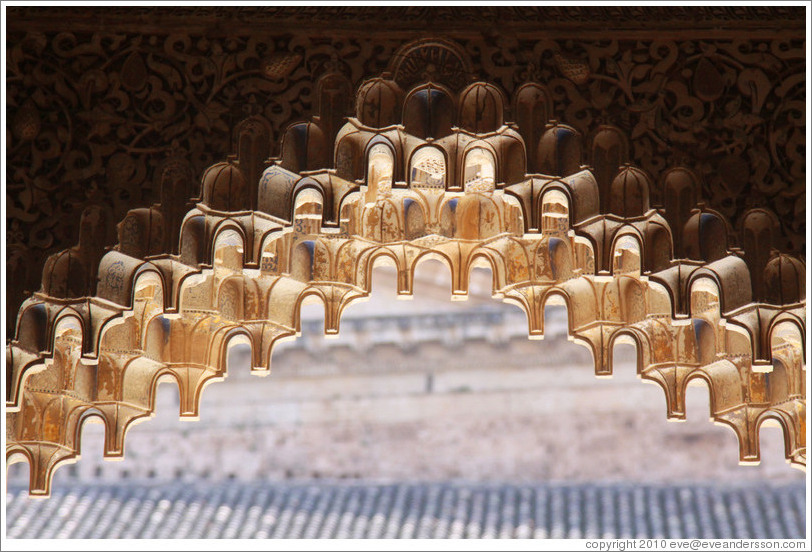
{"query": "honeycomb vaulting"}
(430, 172)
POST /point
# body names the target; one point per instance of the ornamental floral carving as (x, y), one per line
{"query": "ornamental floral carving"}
(471, 173)
(94, 115)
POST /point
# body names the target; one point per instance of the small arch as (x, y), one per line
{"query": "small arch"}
(555, 212)
(383, 222)
(514, 215)
(334, 94)
(658, 248)
(149, 286)
(68, 323)
(633, 299)
(634, 337)
(310, 296)
(518, 196)
(383, 256)
(582, 189)
(429, 112)
(193, 240)
(738, 339)
(252, 138)
(141, 233)
(560, 259)
(431, 257)
(557, 297)
(772, 418)
(117, 274)
(705, 336)
(696, 379)
(788, 328)
(484, 259)
(65, 275)
(304, 148)
(428, 168)
(680, 192)
(308, 209)
(239, 347)
(481, 108)
(784, 280)
(301, 261)
(732, 278)
(468, 218)
(68, 341)
(480, 170)
(148, 297)
(160, 377)
(32, 328)
(380, 170)
(559, 151)
(90, 416)
(156, 339)
(584, 252)
(519, 263)
(704, 236)
(348, 215)
(609, 150)
(758, 231)
(348, 259)
(349, 158)
(308, 183)
(533, 106)
(377, 102)
(16, 454)
(448, 217)
(414, 219)
(629, 193)
(704, 297)
(511, 158)
(230, 298)
(275, 188)
(626, 253)
(788, 331)
(228, 249)
(225, 187)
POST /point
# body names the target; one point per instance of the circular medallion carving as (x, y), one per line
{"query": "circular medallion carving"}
(431, 60)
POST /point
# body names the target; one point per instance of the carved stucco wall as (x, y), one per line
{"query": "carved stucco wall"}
(99, 99)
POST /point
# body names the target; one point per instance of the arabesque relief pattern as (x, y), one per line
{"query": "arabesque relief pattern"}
(94, 117)
(427, 169)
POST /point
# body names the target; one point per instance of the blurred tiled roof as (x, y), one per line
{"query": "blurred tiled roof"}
(405, 510)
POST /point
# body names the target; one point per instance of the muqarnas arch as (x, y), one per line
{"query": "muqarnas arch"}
(428, 172)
